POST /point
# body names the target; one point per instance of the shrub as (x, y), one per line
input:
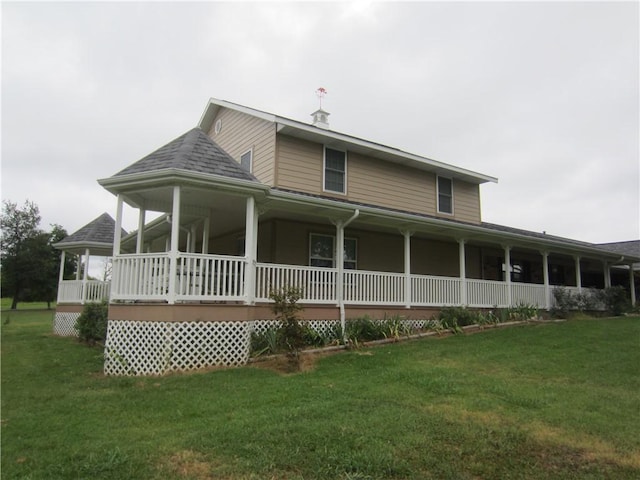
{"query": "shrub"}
(522, 311)
(563, 302)
(286, 309)
(615, 300)
(92, 323)
(451, 317)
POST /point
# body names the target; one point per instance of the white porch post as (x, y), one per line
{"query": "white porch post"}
(632, 285)
(463, 272)
(85, 276)
(205, 234)
(63, 257)
(407, 268)
(78, 266)
(578, 273)
(607, 274)
(175, 238)
(250, 251)
(140, 238)
(507, 272)
(545, 274)
(117, 234)
(340, 275)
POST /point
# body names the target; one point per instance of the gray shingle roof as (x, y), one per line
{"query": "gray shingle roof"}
(193, 151)
(630, 248)
(99, 230)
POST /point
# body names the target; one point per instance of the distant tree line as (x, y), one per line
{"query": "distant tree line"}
(29, 264)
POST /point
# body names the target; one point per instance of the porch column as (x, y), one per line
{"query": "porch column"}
(140, 240)
(463, 272)
(407, 268)
(340, 262)
(205, 234)
(117, 234)
(85, 274)
(607, 274)
(578, 273)
(545, 274)
(250, 251)
(632, 285)
(61, 275)
(175, 238)
(78, 266)
(507, 272)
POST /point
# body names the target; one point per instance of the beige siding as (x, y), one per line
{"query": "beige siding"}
(432, 257)
(371, 181)
(299, 165)
(466, 201)
(241, 132)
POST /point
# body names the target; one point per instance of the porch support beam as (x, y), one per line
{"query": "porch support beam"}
(250, 250)
(205, 234)
(632, 285)
(578, 273)
(85, 276)
(407, 267)
(463, 272)
(607, 274)
(507, 272)
(63, 256)
(140, 238)
(117, 234)
(78, 265)
(545, 275)
(175, 238)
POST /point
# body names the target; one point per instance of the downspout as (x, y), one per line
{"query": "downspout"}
(340, 292)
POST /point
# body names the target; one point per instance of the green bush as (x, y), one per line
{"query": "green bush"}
(616, 300)
(92, 323)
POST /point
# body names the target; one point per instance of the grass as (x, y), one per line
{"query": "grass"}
(539, 401)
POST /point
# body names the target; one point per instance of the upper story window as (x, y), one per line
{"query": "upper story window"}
(445, 195)
(246, 160)
(335, 170)
(322, 251)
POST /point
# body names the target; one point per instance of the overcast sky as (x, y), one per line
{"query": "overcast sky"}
(542, 95)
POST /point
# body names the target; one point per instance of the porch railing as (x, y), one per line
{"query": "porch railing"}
(78, 291)
(318, 284)
(145, 277)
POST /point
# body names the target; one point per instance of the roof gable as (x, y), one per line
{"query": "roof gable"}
(193, 151)
(96, 235)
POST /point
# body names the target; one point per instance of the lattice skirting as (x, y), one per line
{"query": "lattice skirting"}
(64, 324)
(156, 348)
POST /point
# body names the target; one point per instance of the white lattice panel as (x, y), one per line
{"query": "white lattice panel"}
(155, 348)
(64, 324)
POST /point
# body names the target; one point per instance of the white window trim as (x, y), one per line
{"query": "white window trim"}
(438, 177)
(324, 170)
(334, 247)
(250, 152)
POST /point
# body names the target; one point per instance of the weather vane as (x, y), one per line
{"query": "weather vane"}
(321, 92)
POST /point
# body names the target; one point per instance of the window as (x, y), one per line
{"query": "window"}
(445, 195)
(246, 160)
(322, 251)
(335, 170)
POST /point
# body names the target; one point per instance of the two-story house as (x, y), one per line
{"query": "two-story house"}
(251, 202)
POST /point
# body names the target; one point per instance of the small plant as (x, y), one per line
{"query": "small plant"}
(522, 311)
(92, 323)
(266, 342)
(286, 309)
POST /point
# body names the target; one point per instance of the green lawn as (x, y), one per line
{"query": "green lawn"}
(555, 400)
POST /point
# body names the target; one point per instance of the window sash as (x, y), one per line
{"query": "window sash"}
(445, 195)
(246, 160)
(335, 166)
(319, 252)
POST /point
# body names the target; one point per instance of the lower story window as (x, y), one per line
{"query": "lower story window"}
(322, 250)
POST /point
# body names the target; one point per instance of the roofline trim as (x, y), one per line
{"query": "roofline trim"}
(206, 121)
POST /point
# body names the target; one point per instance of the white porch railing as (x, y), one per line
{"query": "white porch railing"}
(363, 287)
(77, 291)
(427, 290)
(487, 293)
(145, 277)
(318, 284)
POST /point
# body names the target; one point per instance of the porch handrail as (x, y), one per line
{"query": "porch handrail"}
(318, 284)
(79, 291)
(362, 287)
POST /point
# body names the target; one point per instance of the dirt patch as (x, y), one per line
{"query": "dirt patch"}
(283, 365)
(188, 464)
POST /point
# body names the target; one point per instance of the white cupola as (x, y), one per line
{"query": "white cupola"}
(320, 118)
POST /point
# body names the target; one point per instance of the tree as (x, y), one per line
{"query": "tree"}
(29, 263)
(19, 231)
